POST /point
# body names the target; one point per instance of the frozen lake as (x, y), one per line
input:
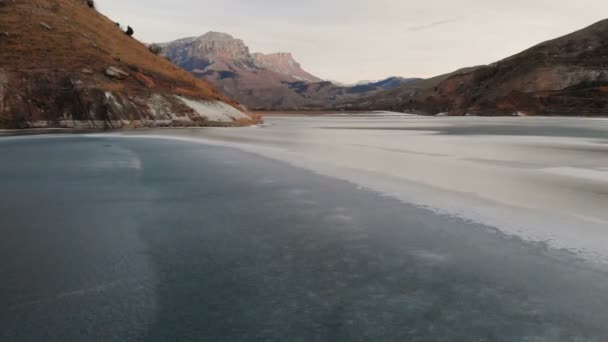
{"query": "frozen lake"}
(542, 179)
(375, 228)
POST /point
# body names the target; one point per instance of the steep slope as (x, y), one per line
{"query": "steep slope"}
(564, 76)
(259, 81)
(63, 64)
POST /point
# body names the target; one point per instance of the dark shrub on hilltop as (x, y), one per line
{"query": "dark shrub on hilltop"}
(90, 3)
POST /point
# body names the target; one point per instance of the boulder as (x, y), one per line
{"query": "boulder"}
(46, 26)
(116, 73)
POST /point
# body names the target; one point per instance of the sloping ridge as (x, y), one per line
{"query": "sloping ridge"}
(563, 76)
(63, 64)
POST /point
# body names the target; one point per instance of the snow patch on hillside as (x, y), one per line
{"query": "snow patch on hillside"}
(214, 110)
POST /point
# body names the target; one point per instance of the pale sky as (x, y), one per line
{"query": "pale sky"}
(352, 40)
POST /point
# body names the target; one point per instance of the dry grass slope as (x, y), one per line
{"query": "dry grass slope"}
(53, 60)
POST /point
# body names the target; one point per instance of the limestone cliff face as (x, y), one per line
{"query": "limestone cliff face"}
(211, 51)
(283, 63)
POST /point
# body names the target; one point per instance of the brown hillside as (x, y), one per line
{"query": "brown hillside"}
(54, 60)
(563, 76)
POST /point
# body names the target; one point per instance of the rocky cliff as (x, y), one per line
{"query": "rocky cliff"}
(211, 51)
(63, 64)
(284, 64)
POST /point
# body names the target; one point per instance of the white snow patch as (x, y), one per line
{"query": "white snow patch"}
(490, 196)
(214, 110)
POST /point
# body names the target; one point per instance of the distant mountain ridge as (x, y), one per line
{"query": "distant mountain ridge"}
(216, 51)
(563, 76)
(262, 81)
(385, 83)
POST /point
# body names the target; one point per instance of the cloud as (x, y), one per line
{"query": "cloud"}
(431, 25)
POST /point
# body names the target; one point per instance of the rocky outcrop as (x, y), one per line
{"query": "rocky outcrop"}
(114, 110)
(211, 51)
(116, 73)
(98, 78)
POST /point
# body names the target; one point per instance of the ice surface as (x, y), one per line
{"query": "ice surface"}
(540, 179)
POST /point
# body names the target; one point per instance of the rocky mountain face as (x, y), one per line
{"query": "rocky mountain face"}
(564, 76)
(261, 81)
(212, 51)
(284, 64)
(63, 64)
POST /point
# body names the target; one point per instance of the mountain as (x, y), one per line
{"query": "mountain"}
(393, 82)
(401, 97)
(256, 80)
(564, 76)
(63, 64)
(387, 83)
(262, 81)
(211, 52)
